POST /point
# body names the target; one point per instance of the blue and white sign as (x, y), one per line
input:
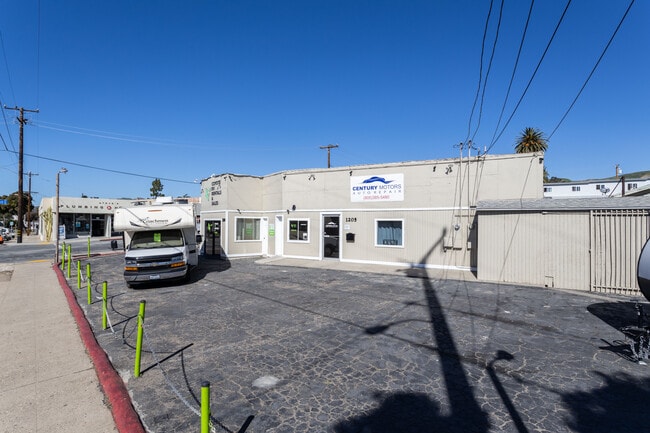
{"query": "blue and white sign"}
(384, 187)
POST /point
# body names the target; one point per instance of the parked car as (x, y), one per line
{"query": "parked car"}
(6, 234)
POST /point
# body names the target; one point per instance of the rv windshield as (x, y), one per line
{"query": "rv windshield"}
(157, 239)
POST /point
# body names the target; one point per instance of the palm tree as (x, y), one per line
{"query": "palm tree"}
(531, 140)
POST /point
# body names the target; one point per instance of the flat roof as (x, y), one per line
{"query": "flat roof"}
(565, 204)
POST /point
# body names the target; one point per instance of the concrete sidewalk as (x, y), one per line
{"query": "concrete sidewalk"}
(47, 380)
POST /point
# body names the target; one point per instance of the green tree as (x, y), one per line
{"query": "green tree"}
(531, 140)
(156, 188)
(9, 210)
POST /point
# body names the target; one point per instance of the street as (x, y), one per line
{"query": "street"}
(33, 249)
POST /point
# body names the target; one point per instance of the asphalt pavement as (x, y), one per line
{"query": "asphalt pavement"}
(292, 345)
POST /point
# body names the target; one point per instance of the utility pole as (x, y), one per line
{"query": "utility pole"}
(21, 122)
(329, 147)
(29, 203)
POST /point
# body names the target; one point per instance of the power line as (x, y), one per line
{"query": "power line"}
(593, 69)
(480, 71)
(107, 169)
(514, 69)
(487, 74)
(4, 116)
(557, 26)
(4, 55)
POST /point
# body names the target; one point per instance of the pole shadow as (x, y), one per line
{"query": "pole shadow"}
(415, 412)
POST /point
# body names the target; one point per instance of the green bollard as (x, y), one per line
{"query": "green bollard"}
(69, 258)
(90, 294)
(62, 256)
(88, 246)
(78, 275)
(205, 407)
(104, 304)
(138, 344)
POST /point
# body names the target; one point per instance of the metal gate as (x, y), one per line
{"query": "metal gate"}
(617, 238)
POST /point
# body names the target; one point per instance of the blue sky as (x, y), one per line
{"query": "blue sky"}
(183, 89)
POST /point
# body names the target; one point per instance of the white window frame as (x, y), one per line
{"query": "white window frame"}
(298, 220)
(259, 223)
(378, 220)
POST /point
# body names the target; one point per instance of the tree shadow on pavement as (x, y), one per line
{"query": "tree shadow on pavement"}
(617, 314)
(627, 317)
(621, 405)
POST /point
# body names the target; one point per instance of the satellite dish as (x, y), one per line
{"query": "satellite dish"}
(643, 270)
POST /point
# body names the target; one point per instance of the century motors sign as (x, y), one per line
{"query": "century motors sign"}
(384, 187)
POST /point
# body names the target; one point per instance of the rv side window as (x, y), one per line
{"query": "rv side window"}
(157, 239)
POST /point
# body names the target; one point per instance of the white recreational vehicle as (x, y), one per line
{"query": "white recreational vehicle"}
(160, 241)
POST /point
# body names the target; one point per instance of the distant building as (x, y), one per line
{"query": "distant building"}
(595, 188)
(83, 216)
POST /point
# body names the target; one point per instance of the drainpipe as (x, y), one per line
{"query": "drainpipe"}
(622, 186)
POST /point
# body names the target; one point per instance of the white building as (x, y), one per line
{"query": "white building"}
(413, 214)
(596, 188)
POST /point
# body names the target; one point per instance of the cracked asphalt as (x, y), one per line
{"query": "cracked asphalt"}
(292, 349)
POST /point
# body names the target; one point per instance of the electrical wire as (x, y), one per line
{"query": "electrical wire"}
(11, 87)
(480, 71)
(593, 69)
(514, 69)
(4, 116)
(487, 73)
(4, 55)
(107, 169)
(548, 45)
(111, 135)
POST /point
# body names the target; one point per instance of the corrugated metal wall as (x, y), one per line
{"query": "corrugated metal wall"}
(548, 249)
(617, 238)
(593, 250)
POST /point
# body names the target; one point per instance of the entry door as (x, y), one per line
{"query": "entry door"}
(279, 235)
(264, 234)
(331, 236)
(212, 238)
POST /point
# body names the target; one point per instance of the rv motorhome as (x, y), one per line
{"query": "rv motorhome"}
(160, 241)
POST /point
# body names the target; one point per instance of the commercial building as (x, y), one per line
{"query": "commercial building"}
(83, 216)
(414, 214)
(80, 216)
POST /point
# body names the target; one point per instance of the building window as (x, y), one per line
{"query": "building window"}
(631, 186)
(299, 230)
(247, 229)
(548, 189)
(599, 187)
(575, 188)
(389, 232)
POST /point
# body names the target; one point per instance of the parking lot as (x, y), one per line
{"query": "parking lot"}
(295, 349)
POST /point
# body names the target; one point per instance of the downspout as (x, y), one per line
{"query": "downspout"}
(622, 186)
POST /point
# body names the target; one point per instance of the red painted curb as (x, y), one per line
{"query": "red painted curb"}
(125, 416)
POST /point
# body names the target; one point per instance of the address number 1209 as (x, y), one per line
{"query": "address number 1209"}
(351, 220)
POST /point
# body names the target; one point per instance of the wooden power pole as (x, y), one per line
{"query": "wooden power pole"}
(21, 123)
(329, 147)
